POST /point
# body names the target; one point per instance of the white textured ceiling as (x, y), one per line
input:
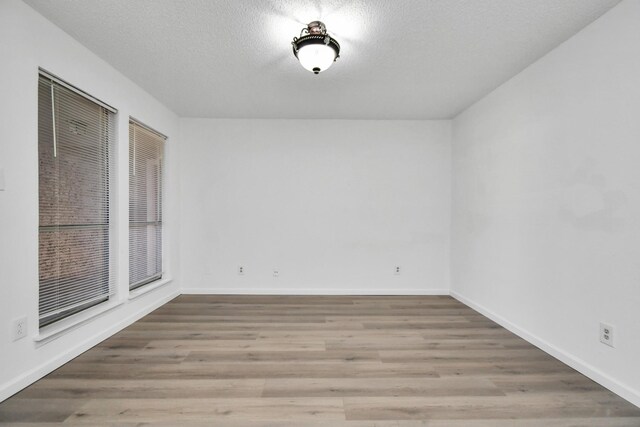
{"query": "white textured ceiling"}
(400, 59)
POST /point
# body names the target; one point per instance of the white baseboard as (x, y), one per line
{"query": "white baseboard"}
(9, 389)
(312, 291)
(579, 365)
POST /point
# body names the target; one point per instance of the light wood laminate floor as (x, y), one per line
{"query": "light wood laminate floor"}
(317, 361)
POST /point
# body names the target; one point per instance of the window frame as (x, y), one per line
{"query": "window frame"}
(160, 276)
(51, 320)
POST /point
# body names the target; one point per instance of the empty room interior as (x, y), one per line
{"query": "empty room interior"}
(289, 213)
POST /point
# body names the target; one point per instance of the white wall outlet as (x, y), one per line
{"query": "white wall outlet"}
(276, 273)
(396, 270)
(240, 270)
(19, 328)
(606, 334)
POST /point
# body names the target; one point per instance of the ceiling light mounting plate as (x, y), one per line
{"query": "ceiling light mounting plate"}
(314, 27)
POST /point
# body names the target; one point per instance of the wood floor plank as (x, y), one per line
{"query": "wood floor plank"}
(342, 387)
(401, 317)
(549, 405)
(49, 388)
(214, 411)
(186, 334)
(135, 356)
(285, 361)
(538, 383)
(508, 368)
(246, 326)
(439, 326)
(239, 345)
(29, 410)
(439, 355)
(282, 356)
(249, 369)
(350, 334)
(275, 318)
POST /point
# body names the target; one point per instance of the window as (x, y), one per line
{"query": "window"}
(146, 148)
(75, 136)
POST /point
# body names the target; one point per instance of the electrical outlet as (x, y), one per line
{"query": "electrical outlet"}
(276, 273)
(19, 328)
(396, 270)
(240, 270)
(606, 334)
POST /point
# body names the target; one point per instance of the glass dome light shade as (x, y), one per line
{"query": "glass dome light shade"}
(316, 57)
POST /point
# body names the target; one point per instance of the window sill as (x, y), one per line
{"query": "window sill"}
(148, 288)
(51, 332)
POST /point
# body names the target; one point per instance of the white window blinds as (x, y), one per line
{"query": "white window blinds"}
(75, 137)
(146, 149)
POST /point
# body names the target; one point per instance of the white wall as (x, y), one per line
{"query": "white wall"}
(333, 205)
(546, 201)
(28, 41)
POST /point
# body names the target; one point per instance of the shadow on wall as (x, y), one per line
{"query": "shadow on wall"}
(588, 202)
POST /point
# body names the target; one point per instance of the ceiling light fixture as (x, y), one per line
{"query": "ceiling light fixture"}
(315, 49)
